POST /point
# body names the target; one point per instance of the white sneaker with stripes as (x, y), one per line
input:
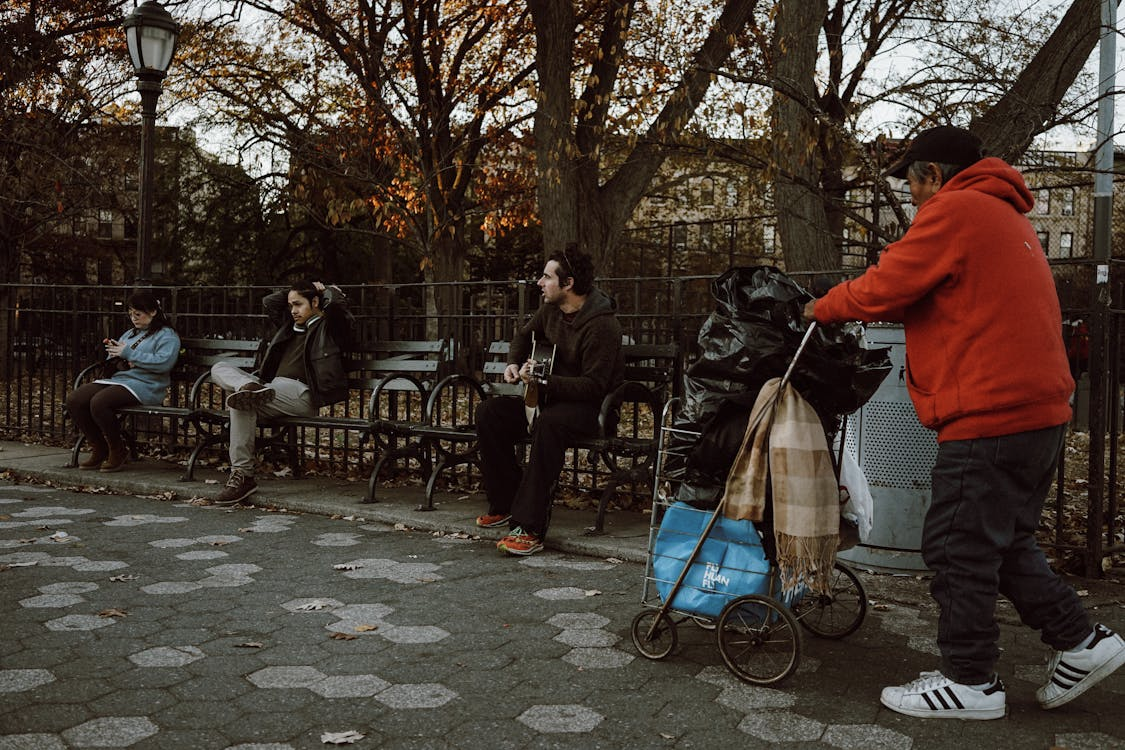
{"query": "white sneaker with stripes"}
(935, 696)
(1072, 673)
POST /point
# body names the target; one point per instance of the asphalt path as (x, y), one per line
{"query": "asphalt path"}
(148, 623)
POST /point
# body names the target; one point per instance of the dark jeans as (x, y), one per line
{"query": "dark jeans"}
(525, 492)
(93, 407)
(979, 540)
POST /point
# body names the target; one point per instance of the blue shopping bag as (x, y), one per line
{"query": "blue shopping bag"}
(731, 562)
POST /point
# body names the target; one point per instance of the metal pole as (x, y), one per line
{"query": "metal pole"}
(1103, 209)
(148, 84)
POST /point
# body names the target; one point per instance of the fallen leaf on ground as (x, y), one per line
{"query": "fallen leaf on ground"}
(246, 530)
(341, 738)
(342, 637)
(286, 472)
(124, 577)
(311, 606)
(615, 561)
(365, 628)
(210, 481)
(114, 612)
(592, 592)
(59, 536)
(248, 644)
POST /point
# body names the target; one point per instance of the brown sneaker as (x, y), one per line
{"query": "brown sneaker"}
(239, 487)
(250, 397)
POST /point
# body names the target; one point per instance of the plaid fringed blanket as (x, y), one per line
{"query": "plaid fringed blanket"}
(785, 442)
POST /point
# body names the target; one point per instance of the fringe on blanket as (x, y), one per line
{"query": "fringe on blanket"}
(785, 441)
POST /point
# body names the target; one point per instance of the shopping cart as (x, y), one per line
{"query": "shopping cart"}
(738, 596)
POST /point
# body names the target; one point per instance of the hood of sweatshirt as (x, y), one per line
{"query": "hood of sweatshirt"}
(994, 177)
(597, 303)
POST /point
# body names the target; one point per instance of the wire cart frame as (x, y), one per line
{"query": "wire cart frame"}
(756, 627)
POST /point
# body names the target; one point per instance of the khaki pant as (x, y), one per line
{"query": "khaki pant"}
(291, 398)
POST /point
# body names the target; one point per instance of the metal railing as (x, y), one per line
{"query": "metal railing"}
(52, 331)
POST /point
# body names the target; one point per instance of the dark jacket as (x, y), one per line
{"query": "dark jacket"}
(325, 372)
(588, 359)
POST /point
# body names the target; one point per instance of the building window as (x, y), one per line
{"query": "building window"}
(732, 193)
(679, 237)
(769, 239)
(706, 192)
(1045, 242)
(706, 240)
(130, 228)
(1066, 245)
(1067, 207)
(105, 224)
(1043, 201)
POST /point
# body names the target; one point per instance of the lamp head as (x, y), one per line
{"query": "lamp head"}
(151, 34)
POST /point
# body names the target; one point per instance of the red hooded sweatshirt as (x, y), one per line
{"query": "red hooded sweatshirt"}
(972, 288)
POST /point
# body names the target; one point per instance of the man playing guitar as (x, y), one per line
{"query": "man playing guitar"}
(578, 322)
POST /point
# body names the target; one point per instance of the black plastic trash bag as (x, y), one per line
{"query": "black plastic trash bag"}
(752, 336)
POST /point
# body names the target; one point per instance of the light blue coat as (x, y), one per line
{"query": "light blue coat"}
(152, 359)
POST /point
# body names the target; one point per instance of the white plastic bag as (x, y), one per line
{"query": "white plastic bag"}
(855, 496)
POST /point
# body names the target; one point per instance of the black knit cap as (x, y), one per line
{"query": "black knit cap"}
(945, 145)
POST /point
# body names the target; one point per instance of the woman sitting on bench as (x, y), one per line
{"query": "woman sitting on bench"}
(136, 371)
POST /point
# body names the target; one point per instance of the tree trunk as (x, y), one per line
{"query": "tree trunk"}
(554, 138)
(574, 205)
(1009, 126)
(802, 219)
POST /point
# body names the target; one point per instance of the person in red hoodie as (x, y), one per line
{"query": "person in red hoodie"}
(987, 369)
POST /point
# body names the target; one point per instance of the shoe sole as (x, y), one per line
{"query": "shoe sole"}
(495, 524)
(237, 500)
(1105, 670)
(249, 400)
(111, 469)
(982, 714)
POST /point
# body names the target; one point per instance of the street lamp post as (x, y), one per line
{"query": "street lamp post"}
(151, 34)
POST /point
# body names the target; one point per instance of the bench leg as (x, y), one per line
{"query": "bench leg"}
(189, 472)
(435, 472)
(74, 452)
(370, 496)
(640, 473)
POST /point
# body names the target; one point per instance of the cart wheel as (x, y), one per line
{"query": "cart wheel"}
(654, 634)
(835, 614)
(706, 623)
(759, 639)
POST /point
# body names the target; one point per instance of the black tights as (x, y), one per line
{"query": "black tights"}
(93, 407)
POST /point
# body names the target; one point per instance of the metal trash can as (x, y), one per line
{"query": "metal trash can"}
(896, 454)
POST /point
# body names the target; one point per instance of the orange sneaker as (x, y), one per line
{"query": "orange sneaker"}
(519, 542)
(493, 520)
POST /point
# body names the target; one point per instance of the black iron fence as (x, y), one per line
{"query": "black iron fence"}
(53, 331)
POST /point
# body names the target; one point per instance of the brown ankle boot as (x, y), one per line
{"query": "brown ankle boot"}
(99, 452)
(116, 458)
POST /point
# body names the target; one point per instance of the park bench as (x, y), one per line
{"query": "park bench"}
(185, 395)
(387, 386)
(628, 420)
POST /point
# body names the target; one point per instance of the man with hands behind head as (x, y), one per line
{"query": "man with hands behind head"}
(303, 369)
(986, 369)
